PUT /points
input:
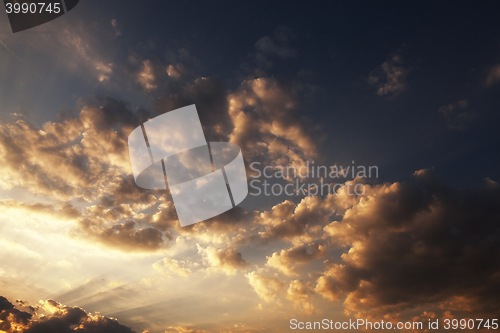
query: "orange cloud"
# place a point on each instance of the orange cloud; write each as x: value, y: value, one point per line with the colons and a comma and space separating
x: 227, y: 260
x: 286, y: 260
x: 266, y: 287
x: 58, y: 319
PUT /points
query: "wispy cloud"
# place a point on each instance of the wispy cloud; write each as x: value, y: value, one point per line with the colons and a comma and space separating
x: 390, y: 77
x: 457, y: 114
x: 493, y: 76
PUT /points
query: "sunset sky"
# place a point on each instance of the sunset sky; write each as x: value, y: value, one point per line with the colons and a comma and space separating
x: 413, y: 89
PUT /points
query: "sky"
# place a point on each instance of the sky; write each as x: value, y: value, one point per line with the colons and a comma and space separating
x: 411, y: 89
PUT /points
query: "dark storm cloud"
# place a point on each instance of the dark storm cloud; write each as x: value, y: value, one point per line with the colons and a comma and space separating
x: 417, y: 243
x: 127, y: 237
x: 390, y: 77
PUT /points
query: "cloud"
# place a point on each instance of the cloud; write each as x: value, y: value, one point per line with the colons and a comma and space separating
x: 390, y: 77
x: 85, y: 160
x: 270, y: 127
x: 77, y: 50
x: 457, y: 303
x: 124, y: 236
x: 298, y: 292
x: 80, y: 164
x: 275, y: 46
x: 146, y: 76
x: 104, y: 70
x: 227, y: 260
x: 26, y: 305
x: 85, y: 51
x: 11, y: 319
x: 261, y: 116
x: 116, y: 27
x: 493, y: 76
x: 62, y: 211
x: 58, y: 319
x: 175, y: 71
x: 456, y: 115
x: 167, y: 265
x: 72, y: 158
x: 403, y: 244
x: 266, y: 287
x: 287, y: 260
x: 291, y: 222
x: 418, y: 243
x: 209, y: 95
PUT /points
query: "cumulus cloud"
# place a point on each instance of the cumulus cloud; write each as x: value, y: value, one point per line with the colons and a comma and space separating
x: 227, y: 260
x: 261, y: 116
x: 390, y: 77
x: 298, y: 292
x: 287, y: 260
x: 85, y: 158
x: 456, y: 114
x: 63, y: 211
x: 416, y: 243
x: 301, y: 221
x: 270, y: 127
x: 11, y: 319
x: 266, y: 287
x: 58, y: 318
